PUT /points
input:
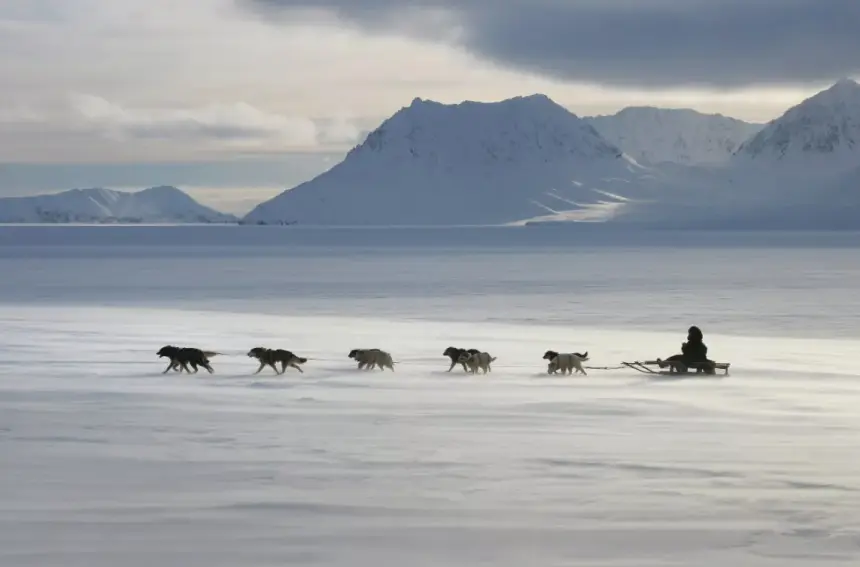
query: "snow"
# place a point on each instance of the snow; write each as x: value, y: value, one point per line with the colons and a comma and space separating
x: 154, y: 205
x: 657, y: 135
x: 109, y: 462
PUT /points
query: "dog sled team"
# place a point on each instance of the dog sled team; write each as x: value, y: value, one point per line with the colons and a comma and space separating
x: 693, y: 356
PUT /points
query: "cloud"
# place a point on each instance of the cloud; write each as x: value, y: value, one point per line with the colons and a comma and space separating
x: 238, y: 123
x: 643, y: 43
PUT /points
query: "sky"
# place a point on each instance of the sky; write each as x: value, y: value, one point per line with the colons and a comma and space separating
x: 235, y: 99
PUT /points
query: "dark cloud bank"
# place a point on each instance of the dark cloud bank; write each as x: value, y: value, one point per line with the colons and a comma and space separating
x: 647, y: 43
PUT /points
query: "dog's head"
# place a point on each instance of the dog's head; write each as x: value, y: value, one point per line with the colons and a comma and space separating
x: 169, y: 351
x: 549, y: 355
x: 465, y: 356
x: 257, y: 352
x: 353, y: 353
x: 473, y: 351
x: 453, y: 352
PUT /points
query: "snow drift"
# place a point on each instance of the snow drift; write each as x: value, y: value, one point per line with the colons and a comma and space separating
x: 153, y: 205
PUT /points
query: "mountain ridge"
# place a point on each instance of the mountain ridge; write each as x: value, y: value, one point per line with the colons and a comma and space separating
x: 156, y: 205
x: 826, y: 125
x: 676, y: 135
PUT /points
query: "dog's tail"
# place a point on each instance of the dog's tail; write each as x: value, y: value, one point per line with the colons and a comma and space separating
x: 492, y: 359
x: 211, y: 353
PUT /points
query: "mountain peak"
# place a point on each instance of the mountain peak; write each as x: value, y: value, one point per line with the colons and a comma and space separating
x: 845, y: 83
x: 841, y: 92
x: 514, y: 130
x: 824, y: 126
x: 467, y: 163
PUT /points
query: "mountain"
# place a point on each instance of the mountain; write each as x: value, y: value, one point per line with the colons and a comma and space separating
x: 823, y: 131
x: 801, y: 171
x: 154, y: 205
x: 656, y: 135
x: 464, y: 164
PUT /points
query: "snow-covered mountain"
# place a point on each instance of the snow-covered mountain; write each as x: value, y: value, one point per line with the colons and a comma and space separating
x: 154, y: 205
x: 468, y: 163
x: 656, y: 135
x: 801, y: 171
x: 823, y: 131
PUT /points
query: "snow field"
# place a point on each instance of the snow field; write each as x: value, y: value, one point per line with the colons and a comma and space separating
x: 107, y: 461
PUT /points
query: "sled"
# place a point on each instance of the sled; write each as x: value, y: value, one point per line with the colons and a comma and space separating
x: 667, y: 367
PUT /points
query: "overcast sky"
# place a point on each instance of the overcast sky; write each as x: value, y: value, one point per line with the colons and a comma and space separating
x: 142, y: 81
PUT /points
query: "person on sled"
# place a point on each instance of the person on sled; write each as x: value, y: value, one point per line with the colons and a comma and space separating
x: 694, y: 353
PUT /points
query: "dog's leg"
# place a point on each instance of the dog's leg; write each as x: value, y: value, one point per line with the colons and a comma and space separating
x: 262, y: 365
x: 453, y: 364
x: 208, y: 367
x: 169, y: 366
x: 297, y: 368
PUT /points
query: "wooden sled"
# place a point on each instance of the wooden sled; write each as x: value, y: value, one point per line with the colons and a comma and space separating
x: 667, y: 367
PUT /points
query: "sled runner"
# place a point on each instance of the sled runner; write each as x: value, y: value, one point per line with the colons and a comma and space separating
x: 674, y: 367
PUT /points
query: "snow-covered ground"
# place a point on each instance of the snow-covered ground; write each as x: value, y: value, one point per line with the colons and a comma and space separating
x: 108, y: 462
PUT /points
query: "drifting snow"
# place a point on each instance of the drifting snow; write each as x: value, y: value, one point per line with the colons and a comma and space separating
x: 153, y: 205
x: 108, y: 462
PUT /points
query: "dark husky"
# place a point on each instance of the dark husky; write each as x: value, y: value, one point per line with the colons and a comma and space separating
x: 271, y: 357
x: 181, y: 357
x: 454, y: 354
